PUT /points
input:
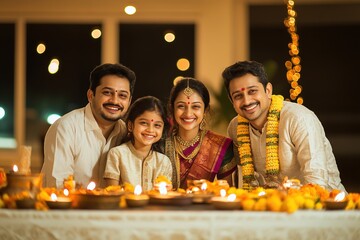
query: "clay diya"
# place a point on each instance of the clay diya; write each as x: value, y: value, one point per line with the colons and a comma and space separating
x: 224, y: 202
x: 137, y: 199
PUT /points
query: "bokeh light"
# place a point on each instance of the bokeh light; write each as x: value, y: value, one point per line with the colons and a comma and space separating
x: 183, y: 64
x: 52, y: 118
x: 96, y: 33
x: 169, y: 37
x: 130, y: 10
x: 177, y: 79
x: 41, y: 48
x: 54, y: 66
x: 2, y: 112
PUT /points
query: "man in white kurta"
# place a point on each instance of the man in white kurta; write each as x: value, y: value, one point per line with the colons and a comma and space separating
x: 76, y: 146
x: 304, y: 151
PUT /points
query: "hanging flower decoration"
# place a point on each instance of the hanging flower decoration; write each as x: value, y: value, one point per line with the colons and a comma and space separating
x: 293, y: 65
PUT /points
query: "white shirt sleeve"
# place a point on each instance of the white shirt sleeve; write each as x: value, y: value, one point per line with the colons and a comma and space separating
x: 58, y: 153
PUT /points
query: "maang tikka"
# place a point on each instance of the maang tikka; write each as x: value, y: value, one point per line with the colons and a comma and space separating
x: 188, y: 91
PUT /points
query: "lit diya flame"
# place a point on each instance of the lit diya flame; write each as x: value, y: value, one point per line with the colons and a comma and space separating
x: 231, y: 197
x: 53, y: 197
x: 15, y: 168
x: 66, y: 192
x: 222, y: 192
x: 204, y: 186
x: 291, y: 183
x: 339, y: 197
x: 287, y: 184
x: 137, y: 190
x: 262, y: 193
x: 91, y: 186
x: 162, y: 188
x: 195, y: 189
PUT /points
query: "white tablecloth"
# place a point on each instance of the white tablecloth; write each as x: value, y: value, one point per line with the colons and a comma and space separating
x: 174, y: 224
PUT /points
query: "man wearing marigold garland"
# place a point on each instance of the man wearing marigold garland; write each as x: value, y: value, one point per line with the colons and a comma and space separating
x: 275, y: 138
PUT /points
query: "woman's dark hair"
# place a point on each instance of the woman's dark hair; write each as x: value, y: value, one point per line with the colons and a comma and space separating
x: 240, y: 69
x: 192, y: 83
x: 111, y: 69
x: 141, y: 105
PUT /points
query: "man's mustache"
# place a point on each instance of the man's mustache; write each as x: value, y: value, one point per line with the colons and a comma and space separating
x: 121, y: 108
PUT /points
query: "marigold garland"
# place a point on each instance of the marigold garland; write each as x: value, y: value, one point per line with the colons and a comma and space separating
x: 272, y: 143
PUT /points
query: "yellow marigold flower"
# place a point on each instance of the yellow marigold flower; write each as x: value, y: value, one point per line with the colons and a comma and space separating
x: 350, y: 205
x: 181, y: 190
x: 128, y: 187
x: 319, y: 206
x: 274, y: 203
x: 258, y: 190
x: 260, y: 205
x: 240, y: 192
x: 43, y: 196
x: 248, y: 204
x: 309, y: 203
x: 162, y: 178
x: 5, y: 197
x: 300, y: 200
x: 231, y: 190
x: 289, y: 205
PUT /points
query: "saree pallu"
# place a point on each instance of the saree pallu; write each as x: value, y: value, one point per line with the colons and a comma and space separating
x: 215, y: 158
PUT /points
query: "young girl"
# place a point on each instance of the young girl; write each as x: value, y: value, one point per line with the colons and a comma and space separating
x: 139, y: 160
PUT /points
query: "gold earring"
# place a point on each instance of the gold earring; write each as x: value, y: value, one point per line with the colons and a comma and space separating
x: 203, y: 124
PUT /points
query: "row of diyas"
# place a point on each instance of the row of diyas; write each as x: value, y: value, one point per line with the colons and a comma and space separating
x: 200, y: 191
x: 163, y: 195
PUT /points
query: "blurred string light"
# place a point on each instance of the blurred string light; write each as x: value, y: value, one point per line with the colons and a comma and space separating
x: 96, y: 33
x: 293, y: 65
x: 130, y: 10
x: 54, y: 66
x: 41, y: 48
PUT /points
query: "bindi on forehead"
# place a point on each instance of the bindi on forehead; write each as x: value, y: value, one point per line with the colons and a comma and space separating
x: 242, y: 89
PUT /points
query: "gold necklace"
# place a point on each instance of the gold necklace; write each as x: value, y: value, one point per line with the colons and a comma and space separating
x: 187, y: 144
x: 179, y: 150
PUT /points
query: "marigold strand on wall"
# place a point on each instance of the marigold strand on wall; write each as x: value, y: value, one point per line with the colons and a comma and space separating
x: 293, y: 65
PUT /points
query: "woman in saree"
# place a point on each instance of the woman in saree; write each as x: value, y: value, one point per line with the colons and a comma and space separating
x: 195, y: 152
